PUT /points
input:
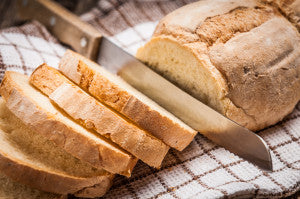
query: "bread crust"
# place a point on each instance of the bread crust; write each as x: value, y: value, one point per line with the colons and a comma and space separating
x: 98, y: 154
x: 23, y: 160
x: 78, y: 69
x: 267, y: 86
x: 51, y: 181
x: 94, y: 115
x: 9, y: 189
x: 289, y: 8
x: 258, y: 58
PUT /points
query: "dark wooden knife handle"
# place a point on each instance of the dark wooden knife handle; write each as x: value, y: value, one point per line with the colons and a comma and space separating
x: 64, y: 25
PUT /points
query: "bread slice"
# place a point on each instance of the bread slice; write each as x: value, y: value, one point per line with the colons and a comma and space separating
x: 29, y: 158
x: 94, y: 115
x: 36, y: 111
x: 119, y: 95
x: 13, y: 190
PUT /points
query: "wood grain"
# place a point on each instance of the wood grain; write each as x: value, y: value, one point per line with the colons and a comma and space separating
x: 63, y: 24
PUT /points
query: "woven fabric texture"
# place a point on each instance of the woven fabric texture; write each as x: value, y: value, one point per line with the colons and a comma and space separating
x: 24, y: 48
x: 203, y: 169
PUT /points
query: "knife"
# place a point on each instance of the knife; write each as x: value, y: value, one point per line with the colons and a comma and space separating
x: 85, y: 39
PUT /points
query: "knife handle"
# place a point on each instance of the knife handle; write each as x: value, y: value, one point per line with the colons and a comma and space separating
x: 64, y: 25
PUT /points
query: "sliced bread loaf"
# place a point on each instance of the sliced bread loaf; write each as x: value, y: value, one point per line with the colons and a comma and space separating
x: 31, y: 159
x: 240, y: 57
x: 36, y: 111
x: 94, y: 115
x: 119, y: 95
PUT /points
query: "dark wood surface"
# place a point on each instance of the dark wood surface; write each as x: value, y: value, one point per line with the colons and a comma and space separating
x: 68, y: 29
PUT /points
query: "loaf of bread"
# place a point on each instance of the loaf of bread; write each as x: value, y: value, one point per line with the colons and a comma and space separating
x: 119, y: 95
x: 27, y: 157
x: 94, y: 115
x: 38, y: 113
x: 241, y: 57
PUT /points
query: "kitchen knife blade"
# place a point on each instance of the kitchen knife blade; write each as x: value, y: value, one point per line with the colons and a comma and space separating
x: 197, y: 115
x: 69, y: 29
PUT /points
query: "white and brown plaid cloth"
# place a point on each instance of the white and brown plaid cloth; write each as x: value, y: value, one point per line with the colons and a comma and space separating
x: 203, y: 169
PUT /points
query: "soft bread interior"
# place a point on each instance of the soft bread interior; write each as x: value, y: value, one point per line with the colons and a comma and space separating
x: 92, y: 114
x: 183, y: 68
x: 125, y: 86
x: 13, y: 190
x: 28, y: 147
x: 43, y: 101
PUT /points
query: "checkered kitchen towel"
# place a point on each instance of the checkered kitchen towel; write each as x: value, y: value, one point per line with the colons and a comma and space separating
x: 202, y: 170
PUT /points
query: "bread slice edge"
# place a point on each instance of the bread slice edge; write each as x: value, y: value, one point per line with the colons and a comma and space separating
x: 108, y: 88
x: 92, y: 114
x: 98, y: 153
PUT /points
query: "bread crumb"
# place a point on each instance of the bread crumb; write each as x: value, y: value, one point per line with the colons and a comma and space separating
x: 171, y: 189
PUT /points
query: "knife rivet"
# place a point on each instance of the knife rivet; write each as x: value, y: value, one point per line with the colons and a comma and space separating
x: 25, y: 2
x: 52, y: 21
x: 83, y: 41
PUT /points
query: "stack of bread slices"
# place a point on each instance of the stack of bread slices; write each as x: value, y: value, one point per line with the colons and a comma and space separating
x: 71, y: 131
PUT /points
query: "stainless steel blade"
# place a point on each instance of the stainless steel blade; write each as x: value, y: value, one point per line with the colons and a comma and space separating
x: 199, y: 116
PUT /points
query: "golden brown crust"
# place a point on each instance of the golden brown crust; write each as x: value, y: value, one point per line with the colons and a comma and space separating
x: 267, y: 85
x: 51, y: 181
x: 289, y: 8
x: 221, y: 28
x: 155, y: 123
x: 103, y: 89
x: 124, y: 102
x: 94, y: 115
x: 96, y: 152
x: 293, y: 13
x: 257, y: 58
x: 183, y: 22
